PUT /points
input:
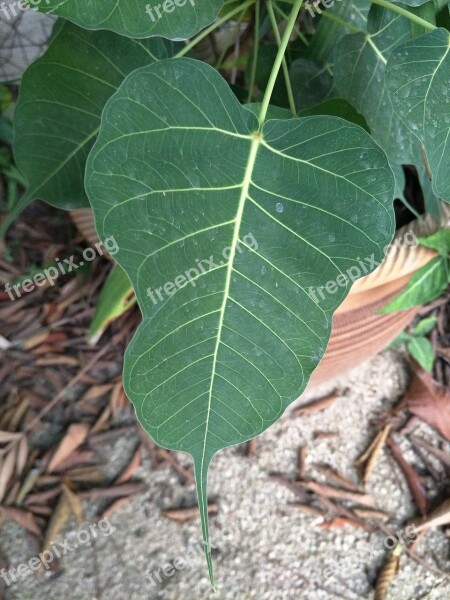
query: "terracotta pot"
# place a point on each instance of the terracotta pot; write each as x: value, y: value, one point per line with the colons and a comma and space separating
x: 358, y: 332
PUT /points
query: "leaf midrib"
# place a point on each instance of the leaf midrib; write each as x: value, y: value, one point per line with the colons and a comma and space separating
x: 246, y: 182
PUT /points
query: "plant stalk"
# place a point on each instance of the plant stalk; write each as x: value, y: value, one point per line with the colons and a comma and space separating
x: 287, y: 79
x: 404, y: 13
x: 278, y: 60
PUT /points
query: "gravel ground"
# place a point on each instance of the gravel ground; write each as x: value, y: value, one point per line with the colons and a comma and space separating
x: 264, y: 547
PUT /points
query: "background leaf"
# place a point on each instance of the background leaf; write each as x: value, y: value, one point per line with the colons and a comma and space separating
x: 424, y: 286
x: 418, y: 80
x: 360, y: 62
x: 425, y: 326
x: 180, y: 20
x: 223, y: 353
x: 439, y: 241
x: 61, y: 99
x: 312, y: 83
x: 422, y: 351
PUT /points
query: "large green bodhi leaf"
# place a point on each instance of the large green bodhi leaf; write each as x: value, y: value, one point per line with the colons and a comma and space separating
x: 62, y: 96
x: 226, y: 230
x: 418, y: 80
x: 172, y: 19
x: 360, y: 62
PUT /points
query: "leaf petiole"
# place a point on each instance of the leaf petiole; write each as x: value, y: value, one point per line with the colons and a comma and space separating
x: 404, y: 13
x: 279, y: 60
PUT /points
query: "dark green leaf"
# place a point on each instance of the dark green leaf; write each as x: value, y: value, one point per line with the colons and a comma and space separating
x: 312, y: 83
x: 360, y: 62
x: 223, y: 348
x: 61, y: 99
x: 336, y: 108
x: 418, y: 80
x: 172, y: 19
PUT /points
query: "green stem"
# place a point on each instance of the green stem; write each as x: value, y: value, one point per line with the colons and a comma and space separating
x: 255, y: 52
x: 284, y: 63
x: 213, y: 27
x: 278, y: 61
x: 404, y: 13
x: 300, y: 35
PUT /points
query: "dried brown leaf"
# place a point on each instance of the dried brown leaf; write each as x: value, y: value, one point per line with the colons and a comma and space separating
x: 8, y: 436
x: 22, y: 455
x: 74, y: 503
x: 59, y: 518
x: 133, y: 465
x: 103, y: 421
x: 439, y: 517
x: 182, y: 515
x: 316, y: 405
x: 115, y: 491
x: 67, y: 361
x: 24, y: 518
x: 415, y: 482
x: 442, y: 456
x: 339, y: 522
x: 371, y: 455
x: 75, y: 436
x: 308, y: 509
x: 429, y: 403
x: 331, y: 492
x: 387, y: 573
x: 336, y: 477
x: 6, y: 471
x: 301, y: 462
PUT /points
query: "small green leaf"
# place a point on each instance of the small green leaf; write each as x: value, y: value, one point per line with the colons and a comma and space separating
x: 418, y: 81
x: 439, y: 241
x: 115, y: 298
x: 226, y: 227
x: 425, y: 326
x: 422, y: 351
x: 425, y: 285
x: 172, y: 19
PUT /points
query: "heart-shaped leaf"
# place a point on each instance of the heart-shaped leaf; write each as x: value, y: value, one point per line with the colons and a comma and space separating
x: 61, y: 100
x: 418, y: 80
x: 227, y: 229
x: 172, y: 19
x: 360, y: 62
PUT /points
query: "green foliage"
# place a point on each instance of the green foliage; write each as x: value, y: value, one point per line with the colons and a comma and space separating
x: 177, y: 169
x: 115, y: 298
x: 61, y: 100
x: 172, y: 19
x: 221, y: 348
x: 429, y: 281
x: 418, y: 345
x: 418, y: 81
